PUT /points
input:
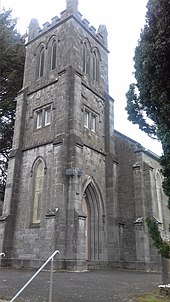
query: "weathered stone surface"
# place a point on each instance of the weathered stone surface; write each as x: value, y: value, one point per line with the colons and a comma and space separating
x: 96, y: 183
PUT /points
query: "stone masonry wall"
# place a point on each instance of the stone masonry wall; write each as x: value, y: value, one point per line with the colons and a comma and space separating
x: 65, y: 144
x: 126, y: 200
x: 137, y: 194
x: 41, y: 241
x: 54, y: 96
x: 69, y: 36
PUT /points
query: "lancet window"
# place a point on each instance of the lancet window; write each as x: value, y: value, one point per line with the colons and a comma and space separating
x: 86, y: 58
x: 53, y: 54
x: 41, y: 62
x: 95, y: 66
x: 38, y: 190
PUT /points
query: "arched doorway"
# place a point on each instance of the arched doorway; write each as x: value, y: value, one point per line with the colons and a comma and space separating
x: 92, y: 206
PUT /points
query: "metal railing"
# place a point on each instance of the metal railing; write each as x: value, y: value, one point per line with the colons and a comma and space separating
x: 51, y: 258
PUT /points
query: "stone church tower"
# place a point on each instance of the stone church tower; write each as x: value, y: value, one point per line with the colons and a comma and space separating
x: 74, y: 184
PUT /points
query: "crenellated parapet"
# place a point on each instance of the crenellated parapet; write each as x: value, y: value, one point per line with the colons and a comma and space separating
x: 71, y: 11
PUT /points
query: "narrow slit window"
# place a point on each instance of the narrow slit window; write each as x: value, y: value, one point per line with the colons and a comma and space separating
x: 84, y: 58
x: 94, y: 66
x: 53, y: 55
x: 41, y: 62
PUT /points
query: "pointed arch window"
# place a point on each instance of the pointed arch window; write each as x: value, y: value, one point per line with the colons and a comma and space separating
x: 86, y: 58
x: 41, y: 63
x: 53, y: 55
x: 38, y: 189
x: 95, y: 67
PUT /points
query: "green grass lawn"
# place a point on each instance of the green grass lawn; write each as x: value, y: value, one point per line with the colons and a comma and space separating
x: 153, y: 297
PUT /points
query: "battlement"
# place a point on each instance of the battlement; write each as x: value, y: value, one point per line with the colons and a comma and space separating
x: 71, y: 10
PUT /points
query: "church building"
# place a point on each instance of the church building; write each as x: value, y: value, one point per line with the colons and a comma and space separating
x: 74, y: 183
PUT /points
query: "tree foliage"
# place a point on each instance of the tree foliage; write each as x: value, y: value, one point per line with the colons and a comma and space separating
x: 12, y: 55
x: 148, y: 100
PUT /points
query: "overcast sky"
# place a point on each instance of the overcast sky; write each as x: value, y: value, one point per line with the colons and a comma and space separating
x: 124, y: 20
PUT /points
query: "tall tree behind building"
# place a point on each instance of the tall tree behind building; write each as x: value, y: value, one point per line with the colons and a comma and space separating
x: 148, y: 100
x: 12, y: 55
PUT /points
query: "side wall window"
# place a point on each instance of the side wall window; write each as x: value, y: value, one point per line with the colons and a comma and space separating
x: 38, y: 189
x: 159, y: 196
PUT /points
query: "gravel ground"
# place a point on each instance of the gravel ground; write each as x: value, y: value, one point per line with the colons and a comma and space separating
x: 95, y: 286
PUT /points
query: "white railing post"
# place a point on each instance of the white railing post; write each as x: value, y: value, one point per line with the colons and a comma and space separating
x: 51, y: 281
x: 33, y: 277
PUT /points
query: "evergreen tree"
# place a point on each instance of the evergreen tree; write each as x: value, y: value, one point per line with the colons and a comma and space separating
x: 12, y: 55
x: 148, y: 100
